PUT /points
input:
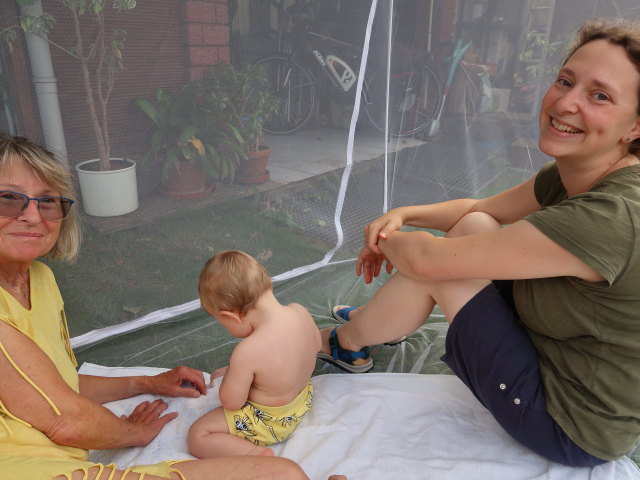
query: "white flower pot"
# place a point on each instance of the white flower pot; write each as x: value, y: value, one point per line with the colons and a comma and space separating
x: 108, y: 193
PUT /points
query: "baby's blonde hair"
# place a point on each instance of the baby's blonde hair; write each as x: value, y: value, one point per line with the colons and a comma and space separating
x: 232, y: 280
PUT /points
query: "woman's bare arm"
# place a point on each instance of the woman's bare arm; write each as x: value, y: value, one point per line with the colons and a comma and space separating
x: 170, y: 383
x: 79, y: 421
x: 505, y: 207
x: 517, y: 251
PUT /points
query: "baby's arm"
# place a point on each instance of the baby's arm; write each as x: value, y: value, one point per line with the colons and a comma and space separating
x: 238, y: 377
x: 217, y: 373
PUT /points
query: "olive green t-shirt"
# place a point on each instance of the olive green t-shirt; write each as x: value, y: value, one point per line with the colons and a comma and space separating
x: 588, y: 334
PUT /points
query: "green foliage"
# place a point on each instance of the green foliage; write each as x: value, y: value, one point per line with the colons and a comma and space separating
x: 95, y: 6
x: 28, y: 24
x: 543, y: 57
x: 247, y: 100
x: 187, y: 127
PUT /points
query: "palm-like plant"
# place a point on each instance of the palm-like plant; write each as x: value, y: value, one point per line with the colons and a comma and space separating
x: 187, y: 127
x: 245, y: 95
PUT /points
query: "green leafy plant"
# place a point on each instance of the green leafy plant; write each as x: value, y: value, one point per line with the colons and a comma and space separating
x: 541, y: 60
x: 543, y: 56
x: 99, y: 55
x: 189, y: 127
x: 247, y: 99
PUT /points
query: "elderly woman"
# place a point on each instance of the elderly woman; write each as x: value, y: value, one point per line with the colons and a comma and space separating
x: 49, y: 415
x: 551, y: 346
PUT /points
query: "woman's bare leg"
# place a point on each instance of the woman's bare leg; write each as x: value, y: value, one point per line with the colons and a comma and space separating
x: 242, y: 468
x: 218, y: 444
x: 403, y: 304
x: 223, y: 468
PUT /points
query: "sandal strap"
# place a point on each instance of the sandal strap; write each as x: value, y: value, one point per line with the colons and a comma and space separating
x: 344, y: 313
x: 339, y: 353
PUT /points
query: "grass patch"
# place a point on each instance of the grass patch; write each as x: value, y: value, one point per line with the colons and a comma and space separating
x: 124, y: 275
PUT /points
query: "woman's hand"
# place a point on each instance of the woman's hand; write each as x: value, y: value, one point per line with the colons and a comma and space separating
x: 370, y: 263
x: 148, y: 416
x: 371, y: 258
x: 178, y: 382
x: 381, y: 227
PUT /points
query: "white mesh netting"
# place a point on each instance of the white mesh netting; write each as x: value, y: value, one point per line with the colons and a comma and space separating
x: 446, y: 108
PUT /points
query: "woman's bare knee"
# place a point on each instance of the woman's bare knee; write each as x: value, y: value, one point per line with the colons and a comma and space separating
x: 474, y: 222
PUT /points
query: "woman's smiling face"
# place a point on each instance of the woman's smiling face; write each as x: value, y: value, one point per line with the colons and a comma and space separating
x: 27, y: 236
x: 592, y: 106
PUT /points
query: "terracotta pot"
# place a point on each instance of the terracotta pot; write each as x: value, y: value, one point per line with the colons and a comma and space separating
x: 188, y: 181
x: 254, y: 168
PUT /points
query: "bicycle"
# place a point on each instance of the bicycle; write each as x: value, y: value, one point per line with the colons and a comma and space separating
x: 415, y: 94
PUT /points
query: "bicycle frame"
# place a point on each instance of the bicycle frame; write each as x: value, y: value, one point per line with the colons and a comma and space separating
x: 334, y: 65
x: 337, y: 69
x: 413, y: 91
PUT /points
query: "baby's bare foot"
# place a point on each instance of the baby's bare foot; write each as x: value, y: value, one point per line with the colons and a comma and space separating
x: 267, y: 452
x: 260, y: 451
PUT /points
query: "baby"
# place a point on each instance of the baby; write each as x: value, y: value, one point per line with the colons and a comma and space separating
x: 266, y: 389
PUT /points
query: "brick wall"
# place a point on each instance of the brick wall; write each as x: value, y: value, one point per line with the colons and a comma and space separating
x: 445, y: 16
x: 207, y: 35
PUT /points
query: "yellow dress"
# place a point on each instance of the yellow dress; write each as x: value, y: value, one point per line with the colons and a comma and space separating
x: 25, y: 452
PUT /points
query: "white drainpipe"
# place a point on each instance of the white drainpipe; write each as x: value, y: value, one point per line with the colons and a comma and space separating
x: 46, y: 87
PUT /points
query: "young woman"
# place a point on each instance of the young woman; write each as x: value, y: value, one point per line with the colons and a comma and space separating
x: 539, y: 283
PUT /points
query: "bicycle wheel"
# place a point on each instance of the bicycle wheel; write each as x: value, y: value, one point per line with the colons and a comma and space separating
x: 415, y: 97
x: 294, y: 88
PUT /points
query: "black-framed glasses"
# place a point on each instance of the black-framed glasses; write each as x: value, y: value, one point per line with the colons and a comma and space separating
x: 12, y: 204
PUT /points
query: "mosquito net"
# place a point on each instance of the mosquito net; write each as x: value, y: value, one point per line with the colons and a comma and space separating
x: 379, y: 104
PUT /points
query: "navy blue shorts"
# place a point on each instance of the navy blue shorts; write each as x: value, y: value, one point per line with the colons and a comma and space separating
x: 489, y: 350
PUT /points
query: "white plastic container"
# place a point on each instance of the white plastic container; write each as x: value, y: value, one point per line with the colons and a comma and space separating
x: 108, y: 193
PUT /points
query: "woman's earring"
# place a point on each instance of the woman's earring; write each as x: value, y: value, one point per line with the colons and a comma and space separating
x: 628, y: 139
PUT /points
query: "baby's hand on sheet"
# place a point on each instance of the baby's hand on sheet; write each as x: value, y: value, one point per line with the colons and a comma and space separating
x: 179, y: 382
x: 219, y: 372
x: 148, y: 416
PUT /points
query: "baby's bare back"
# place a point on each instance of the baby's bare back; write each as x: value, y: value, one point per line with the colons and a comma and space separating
x: 288, y: 340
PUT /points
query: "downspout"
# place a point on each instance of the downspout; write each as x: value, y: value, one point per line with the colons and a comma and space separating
x: 45, y: 86
x: 430, y: 28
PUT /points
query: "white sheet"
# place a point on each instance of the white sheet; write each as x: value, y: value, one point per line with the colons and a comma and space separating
x: 376, y: 426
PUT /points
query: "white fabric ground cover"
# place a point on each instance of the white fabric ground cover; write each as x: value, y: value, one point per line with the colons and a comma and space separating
x: 375, y: 426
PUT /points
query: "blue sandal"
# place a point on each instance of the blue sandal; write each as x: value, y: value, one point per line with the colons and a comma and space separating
x: 343, y: 358
x: 341, y: 314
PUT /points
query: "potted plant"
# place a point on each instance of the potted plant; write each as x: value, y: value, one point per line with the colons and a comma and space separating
x: 248, y: 102
x: 100, y: 58
x: 191, y: 140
